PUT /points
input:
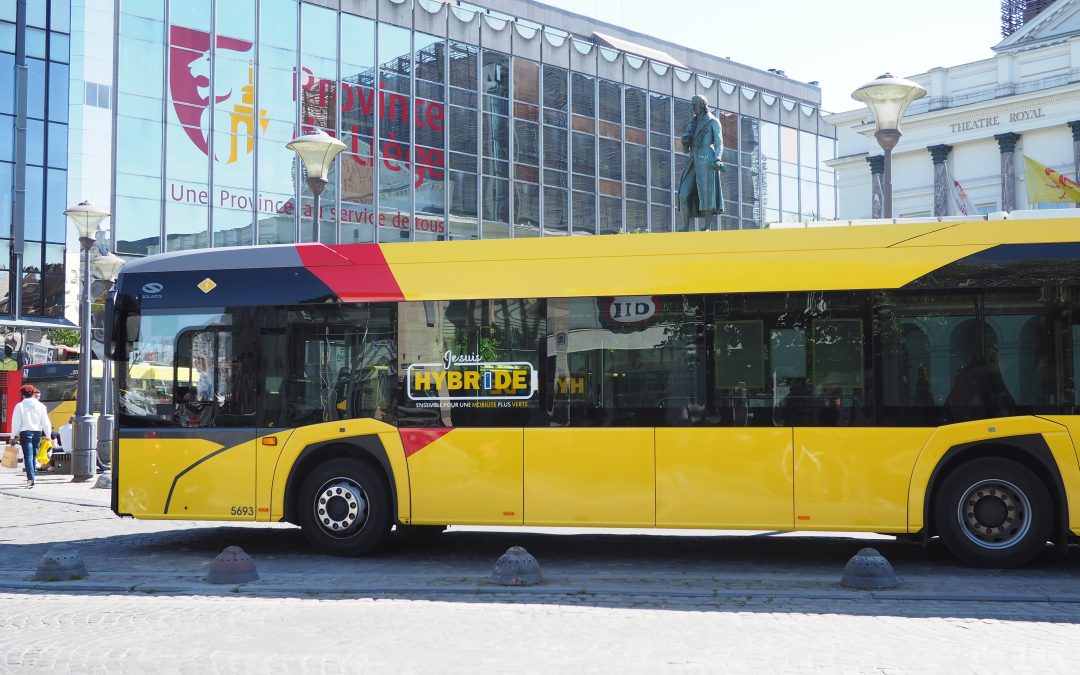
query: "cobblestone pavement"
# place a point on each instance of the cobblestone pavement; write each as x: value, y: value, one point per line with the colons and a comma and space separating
x: 55, y: 633
x: 634, y: 602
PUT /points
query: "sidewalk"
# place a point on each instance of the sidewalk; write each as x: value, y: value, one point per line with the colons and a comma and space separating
x: 126, y: 555
x: 53, y: 487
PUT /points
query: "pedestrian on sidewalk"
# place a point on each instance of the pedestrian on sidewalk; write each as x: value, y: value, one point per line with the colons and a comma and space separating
x: 29, y: 421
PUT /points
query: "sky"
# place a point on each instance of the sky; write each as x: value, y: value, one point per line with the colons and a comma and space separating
x: 840, y: 43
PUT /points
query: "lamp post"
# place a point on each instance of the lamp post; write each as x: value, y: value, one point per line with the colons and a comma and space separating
x: 86, y: 217
x: 108, y: 267
x: 888, y: 97
x: 317, y: 150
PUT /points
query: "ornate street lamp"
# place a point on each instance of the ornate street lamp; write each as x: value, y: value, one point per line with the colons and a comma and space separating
x: 317, y: 150
x: 108, y: 267
x: 87, y: 218
x: 888, y: 97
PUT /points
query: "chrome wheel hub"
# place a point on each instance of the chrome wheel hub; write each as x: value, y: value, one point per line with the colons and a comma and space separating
x: 994, y: 514
x: 341, y: 507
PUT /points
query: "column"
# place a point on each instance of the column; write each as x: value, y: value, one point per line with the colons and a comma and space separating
x: 1007, y: 144
x: 18, y: 210
x: 1075, y: 126
x: 877, y: 185
x: 940, y: 153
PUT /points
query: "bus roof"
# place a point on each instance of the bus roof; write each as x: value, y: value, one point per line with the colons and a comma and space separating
x: 888, y: 256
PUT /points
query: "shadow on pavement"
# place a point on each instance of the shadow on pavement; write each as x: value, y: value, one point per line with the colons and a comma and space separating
x: 688, y: 573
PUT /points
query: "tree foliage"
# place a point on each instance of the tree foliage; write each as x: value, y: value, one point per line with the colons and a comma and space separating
x: 69, y: 337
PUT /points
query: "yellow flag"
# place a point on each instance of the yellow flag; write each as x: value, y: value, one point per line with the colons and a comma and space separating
x: 1044, y: 185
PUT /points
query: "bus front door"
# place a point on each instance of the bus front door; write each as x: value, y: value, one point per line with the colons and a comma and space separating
x: 194, y: 457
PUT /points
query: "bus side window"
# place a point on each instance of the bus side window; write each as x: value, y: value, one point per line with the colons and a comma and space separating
x: 272, y: 373
x: 214, y: 389
x: 1073, y: 391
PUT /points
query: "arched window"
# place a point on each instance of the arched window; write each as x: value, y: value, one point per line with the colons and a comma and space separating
x: 1038, y: 385
x: 978, y: 390
x: 968, y: 343
x: 917, y: 375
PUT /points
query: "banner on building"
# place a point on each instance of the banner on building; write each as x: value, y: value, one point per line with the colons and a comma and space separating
x: 1047, y: 186
x: 958, y: 196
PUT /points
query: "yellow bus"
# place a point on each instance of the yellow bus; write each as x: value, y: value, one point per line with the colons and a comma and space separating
x: 911, y: 379
x: 57, y: 381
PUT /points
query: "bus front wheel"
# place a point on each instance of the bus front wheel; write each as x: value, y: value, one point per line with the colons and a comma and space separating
x: 994, y: 512
x: 345, y: 508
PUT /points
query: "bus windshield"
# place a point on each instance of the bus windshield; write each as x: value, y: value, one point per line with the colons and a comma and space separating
x: 56, y: 390
x: 58, y: 383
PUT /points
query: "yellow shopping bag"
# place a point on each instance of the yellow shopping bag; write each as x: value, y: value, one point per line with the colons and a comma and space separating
x: 43, y: 452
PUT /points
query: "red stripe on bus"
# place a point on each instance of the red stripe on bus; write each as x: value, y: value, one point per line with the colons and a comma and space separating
x: 415, y: 440
x: 354, y: 272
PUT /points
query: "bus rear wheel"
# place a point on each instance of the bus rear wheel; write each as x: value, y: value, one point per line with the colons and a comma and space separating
x: 345, y: 508
x: 994, y: 512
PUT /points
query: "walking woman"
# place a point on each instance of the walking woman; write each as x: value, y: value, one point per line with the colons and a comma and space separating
x: 29, y: 422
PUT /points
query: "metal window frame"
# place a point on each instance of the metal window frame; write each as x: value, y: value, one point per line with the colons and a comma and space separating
x: 255, y: 131
x: 299, y: 124
x: 165, y: 61
x: 210, y: 140
x: 18, y: 220
x: 376, y: 130
x: 411, y: 164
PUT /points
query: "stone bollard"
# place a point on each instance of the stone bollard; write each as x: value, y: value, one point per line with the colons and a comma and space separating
x: 104, y: 481
x: 232, y: 566
x: 868, y: 569
x: 60, y: 563
x: 516, y: 567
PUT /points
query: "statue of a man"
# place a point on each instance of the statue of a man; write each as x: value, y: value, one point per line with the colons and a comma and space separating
x: 700, y: 194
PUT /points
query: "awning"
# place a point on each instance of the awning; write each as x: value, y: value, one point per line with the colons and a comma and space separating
x: 639, y: 50
x: 30, y: 323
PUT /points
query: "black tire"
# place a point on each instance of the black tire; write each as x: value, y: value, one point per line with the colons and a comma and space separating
x: 994, y: 512
x: 345, y: 508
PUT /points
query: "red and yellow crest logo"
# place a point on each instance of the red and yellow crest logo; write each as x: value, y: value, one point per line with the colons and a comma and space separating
x: 190, y: 89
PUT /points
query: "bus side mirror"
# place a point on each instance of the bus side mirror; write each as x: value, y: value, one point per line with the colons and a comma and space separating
x: 108, y: 324
x: 115, y: 337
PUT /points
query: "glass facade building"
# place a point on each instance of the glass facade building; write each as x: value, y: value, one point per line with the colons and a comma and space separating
x: 460, y: 122
x: 34, y: 81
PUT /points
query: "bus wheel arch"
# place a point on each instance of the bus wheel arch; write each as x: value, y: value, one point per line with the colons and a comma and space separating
x: 365, y: 449
x: 1023, y: 466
